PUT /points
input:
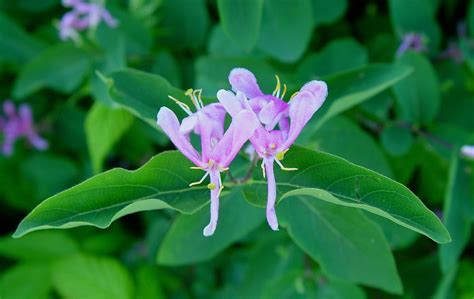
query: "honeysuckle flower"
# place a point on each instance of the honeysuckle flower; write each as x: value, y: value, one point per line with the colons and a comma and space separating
x: 468, y: 151
x: 83, y: 15
x: 412, y: 41
x: 218, y: 149
x: 19, y: 124
x: 453, y: 52
x: 270, y: 143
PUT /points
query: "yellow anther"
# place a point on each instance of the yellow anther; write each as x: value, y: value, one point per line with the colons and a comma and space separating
x: 189, y: 92
x: 281, y: 155
x: 277, y: 87
x: 272, y: 145
x: 211, y: 186
x: 284, y: 92
x: 223, y: 168
x: 211, y: 162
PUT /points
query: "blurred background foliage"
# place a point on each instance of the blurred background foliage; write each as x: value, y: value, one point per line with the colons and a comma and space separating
x: 409, y: 132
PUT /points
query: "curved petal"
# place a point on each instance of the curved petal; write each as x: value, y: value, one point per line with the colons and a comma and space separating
x: 233, y: 103
x: 302, y: 108
x: 240, y: 130
x: 188, y: 124
x: 244, y: 81
x: 211, y: 227
x: 272, y: 112
x: 271, y: 196
x: 169, y: 123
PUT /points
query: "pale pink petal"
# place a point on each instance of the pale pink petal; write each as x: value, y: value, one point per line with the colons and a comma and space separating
x: 36, y: 141
x: 240, y: 130
x: 233, y: 103
x: 9, y: 109
x: 108, y: 19
x: 188, y: 124
x: 302, y: 108
x: 211, y: 227
x: 244, y: 81
x: 169, y: 123
x: 468, y: 151
x: 271, y: 113
x: 271, y: 196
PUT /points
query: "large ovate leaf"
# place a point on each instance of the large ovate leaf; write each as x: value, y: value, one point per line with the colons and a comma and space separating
x: 61, y: 67
x: 328, y: 11
x: 459, y: 193
x: 345, y: 243
x: 141, y: 93
x: 39, y: 246
x: 418, y: 95
x: 104, y: 127
x: 350, y: 88
x: 161, y: 183
x: 329, y: 178
x: 185, y: 244
x: 286, y: 29
x: 241, y: 20
x: 17, y: 46
x: 81, y: 276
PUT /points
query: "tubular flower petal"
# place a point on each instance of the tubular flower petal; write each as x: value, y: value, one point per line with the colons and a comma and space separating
x: 412, y: 41
x: 218, y: 148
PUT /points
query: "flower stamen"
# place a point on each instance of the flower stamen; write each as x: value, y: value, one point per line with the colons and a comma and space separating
x: 263, y: 168
x: 182, y: 105
x: 276, y: 92
x: 200, y: 181
x: 285, y: 168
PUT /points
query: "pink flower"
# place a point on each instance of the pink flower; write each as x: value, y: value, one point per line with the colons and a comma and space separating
x: 218, y: 148
x: 83, y: 15
x: 17, y: 125
x: 270, y: 143
x: 468, y: 151
x: 412, y: 41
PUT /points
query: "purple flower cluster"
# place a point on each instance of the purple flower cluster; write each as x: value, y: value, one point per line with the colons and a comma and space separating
x: 412, y: 41
x: 18, y: 124
x: 266, y: 120
x: 82, y: 16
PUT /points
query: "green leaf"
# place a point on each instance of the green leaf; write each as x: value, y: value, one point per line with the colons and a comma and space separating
x: 62, y: 67
x: 328, y: 11
x: 232, y: 13
x: 39, y: 246
x: 459, y: 192
x: 187, y: 229
x: 332, y: 59
x: 415, y: 16
x: 185, y: 23
x: 147, y: 283
x: 160, y: 183
x: 91, y: 277
x: 26, y: 281
x: 418, y: 95
x: 104, y: 128
x: 342, y: 137
x: 49, y: 174
x: 396, y: 141
x: 329, y: 178
x: 346, y: 244
x: 286, y: 29
x: 335, y: 289
x: 17, y: 46
x: 142, y: 93
x: 353, y: 87
x: 267, y: 263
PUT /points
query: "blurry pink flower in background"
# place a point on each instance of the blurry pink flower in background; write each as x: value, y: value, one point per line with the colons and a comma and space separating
x: 82, y: 16
x: 17, y: 124
x: 468, y: 151
x: 413, y: 42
